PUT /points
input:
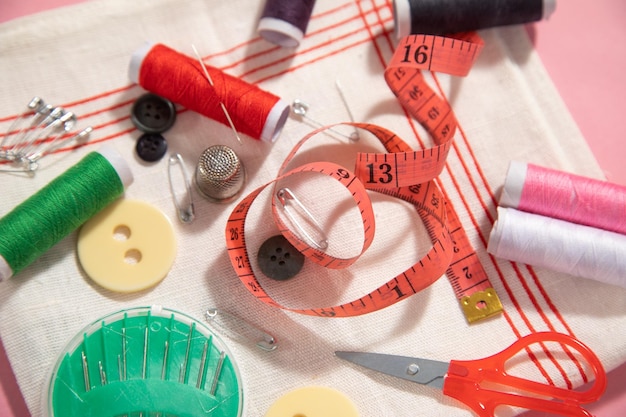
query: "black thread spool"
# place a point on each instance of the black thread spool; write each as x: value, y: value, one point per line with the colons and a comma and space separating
x: 438, y: 17
x: 284, y: 22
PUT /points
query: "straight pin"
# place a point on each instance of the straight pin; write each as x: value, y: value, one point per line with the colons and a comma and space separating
x: 300, y: 108
x: 208, y: 77
x: 202, y: 363
x: 165, y: 353
x: 354, y: 136
x: 124, y: 351
x: 218, y: 371
x: 103, y: 376
x: 184, y: 364
x: 145, y: 354
x: 85, y: 372
x: 181, y: 373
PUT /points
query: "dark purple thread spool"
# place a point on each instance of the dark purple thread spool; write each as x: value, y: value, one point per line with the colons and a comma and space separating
x: 284, y: 22
x: 439, y: 17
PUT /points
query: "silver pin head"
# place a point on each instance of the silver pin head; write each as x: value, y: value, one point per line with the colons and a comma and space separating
x: 299, y: 107
x: 219, y: 176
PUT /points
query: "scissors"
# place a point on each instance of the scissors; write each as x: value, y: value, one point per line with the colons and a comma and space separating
x: 464, y: 380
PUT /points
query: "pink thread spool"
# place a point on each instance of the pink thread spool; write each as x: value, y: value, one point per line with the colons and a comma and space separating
x: 565, y: 196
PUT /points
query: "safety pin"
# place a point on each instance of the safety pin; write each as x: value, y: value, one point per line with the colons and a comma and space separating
x: 208, y: 77
x: 28, y: 163
x: 65, y: 120
x: 354, y: 136
x: 50, y: 122
x: 28, y: 140
x: 58, y: 143
x: 185, y: 214
x: 236, y: 327
x: 284, y: 195
x: 35, y: 105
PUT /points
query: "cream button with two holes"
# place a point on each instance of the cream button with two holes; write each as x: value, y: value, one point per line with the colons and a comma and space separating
x: 128, y: 246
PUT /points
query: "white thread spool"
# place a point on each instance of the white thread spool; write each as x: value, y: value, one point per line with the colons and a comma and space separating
x: 558, y: 245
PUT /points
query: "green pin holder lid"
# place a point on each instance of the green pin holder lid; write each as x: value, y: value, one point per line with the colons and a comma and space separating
x: 148, y: 362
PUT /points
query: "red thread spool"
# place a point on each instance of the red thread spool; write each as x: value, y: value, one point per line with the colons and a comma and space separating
x: 179, y: 78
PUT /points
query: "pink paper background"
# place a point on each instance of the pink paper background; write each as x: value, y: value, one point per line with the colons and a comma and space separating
x: 582, y: 48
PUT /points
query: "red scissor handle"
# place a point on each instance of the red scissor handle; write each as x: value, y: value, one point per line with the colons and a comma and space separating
x: 464, y: 378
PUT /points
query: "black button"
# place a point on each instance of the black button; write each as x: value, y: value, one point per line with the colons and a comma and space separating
x: 151, y: 147
x: 279, y: 259
x: 153, y: 114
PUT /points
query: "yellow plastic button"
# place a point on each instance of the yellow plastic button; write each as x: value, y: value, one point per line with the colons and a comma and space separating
x: 129, y: 246
x: 313, y: 402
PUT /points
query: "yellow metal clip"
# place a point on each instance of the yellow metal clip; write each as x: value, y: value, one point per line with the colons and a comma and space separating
x: 480, y: 305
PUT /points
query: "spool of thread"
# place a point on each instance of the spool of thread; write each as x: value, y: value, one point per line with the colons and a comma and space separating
x: 179, y: 78
x: 560, y: 246
x: 565, y: 196
x: 60, y: 207
x: 284, y: 22
x: 439, y: 17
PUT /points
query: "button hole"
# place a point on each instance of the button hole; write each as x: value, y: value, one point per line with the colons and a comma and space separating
x: 132, y: 257
x: 121, y: 233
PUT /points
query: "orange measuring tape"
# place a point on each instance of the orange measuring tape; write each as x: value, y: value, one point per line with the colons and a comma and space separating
x: 403, y: 173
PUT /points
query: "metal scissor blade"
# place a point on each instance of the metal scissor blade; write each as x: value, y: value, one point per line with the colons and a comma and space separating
x: 423, y: 371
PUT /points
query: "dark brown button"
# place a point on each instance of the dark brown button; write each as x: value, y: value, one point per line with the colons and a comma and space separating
x: 279, y: 259
x: 153, y: 114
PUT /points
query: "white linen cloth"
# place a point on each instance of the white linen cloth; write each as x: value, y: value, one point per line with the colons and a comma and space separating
x: 507, y: 109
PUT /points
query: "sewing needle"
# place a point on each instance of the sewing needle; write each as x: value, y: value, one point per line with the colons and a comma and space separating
x: 208, y: 77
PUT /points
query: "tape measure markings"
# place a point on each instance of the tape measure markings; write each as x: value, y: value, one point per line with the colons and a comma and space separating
x: 453, y: 55
x: 415, y: 278
x: 459, y: 270
x: 466, y: 275
x: 403, y: 171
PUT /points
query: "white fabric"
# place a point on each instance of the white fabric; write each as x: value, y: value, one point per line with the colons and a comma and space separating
x: 507, y: 107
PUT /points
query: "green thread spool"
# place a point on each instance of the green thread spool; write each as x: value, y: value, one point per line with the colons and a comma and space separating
x: 60, y: 207
x: 145, y: 361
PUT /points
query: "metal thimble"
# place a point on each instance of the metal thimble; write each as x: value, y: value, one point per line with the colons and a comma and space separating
x: 219, y: 175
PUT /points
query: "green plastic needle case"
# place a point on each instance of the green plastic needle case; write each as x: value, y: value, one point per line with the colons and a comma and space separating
x: 148, y: 362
